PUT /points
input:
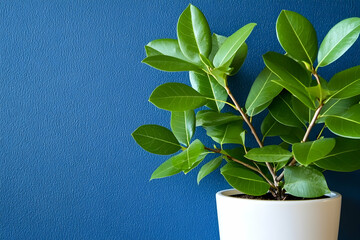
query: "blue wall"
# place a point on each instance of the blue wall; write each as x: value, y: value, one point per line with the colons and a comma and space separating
x: 72, y: 91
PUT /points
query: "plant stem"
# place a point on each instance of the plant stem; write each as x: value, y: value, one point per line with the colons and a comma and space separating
x: 321, y: 132
x: 311, y: 125
x: 244, y: 164
x: 253, y: 131
x: 231, y: 105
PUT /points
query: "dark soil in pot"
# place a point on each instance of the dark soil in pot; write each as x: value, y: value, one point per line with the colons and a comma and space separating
x: 268, y: 196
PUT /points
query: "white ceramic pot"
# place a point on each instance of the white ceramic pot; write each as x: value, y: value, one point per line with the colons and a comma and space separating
x: 248, y: 219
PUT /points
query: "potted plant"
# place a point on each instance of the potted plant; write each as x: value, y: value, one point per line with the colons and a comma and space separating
x: 279, y: 190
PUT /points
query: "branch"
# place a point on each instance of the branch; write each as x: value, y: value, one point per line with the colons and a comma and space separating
x: 311, y: 125
x: 244, y: 164
x: 253, y: 131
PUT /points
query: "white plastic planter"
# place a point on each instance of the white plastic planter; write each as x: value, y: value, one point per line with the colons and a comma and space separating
x: 248, y: 219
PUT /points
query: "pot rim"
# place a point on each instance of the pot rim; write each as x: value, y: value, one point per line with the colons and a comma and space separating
x: 228, y: 192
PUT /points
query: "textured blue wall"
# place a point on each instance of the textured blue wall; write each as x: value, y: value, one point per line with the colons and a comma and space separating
x: 72, y: 91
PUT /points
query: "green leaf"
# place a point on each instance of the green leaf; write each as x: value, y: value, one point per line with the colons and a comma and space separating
x: 302, y: 111
x: 183, y: 125
x: 197, y: 162
x: 176, y: 97
x: 168, y: 47
x: 227, y: 133
x: 209, y: 168
x: 258, y: 109
x: 217, y: 42
x: 237, y: 153
x: 212, y: 118
x: 338, y: 40
x: 262, y: 91
x: 232, y: 44
x: 345, y: 84
x: 165, y: 170
x: 156, y: 139
x: 299, y: 92
x: 297, y: 36
x: 244, y: 180
x: 305, y: 182
x: 309, y: 152
x: 220, y: 75
x: 206, y: 61
x: 189, y: 157
x: 282, y: 110
x: 347, y: 124
x: 270, y: 153
x: 293, y: 76
x: 209, y: 87
x: 318, y: 92
x: 287, y: 69
x: 239, y: 59
x: 194, y: 34
x: 337, y: 107
x: 343, y: 158
x: 280, y: 165
x: 294, y: 135
x: 270, y: 127
x: 170, y: 64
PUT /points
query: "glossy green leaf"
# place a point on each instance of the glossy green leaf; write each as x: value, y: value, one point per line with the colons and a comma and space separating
x: 168, y: 47
x: 212, y: 118
x: 280, y: 165
x: 337, y: 107
x: 345, y: 84
x: 258, y: 109
x: 287, y: 69
x: 156, y: 139
x: 270, y: 153
x: 300, y: 110
x: 297, y: 36
x: 217, y: 42
x: 197, y: 162
x: 347, y: 124
x: 220, y: 75
x: 282, y: 110
x: 338, y: 40
x: 165, y: 170
x: 183, y: 125
x: 186, y: 159
x: 262, y: 91
x: 177, y: 97
x: 227, y: 133
x: 244, y: 180
x: 319, y: 92
x: 309, y: 152
x: 170, y: 64
x: 232, y: 44
x: 293, y: 76
x: 299, y: 92
x: 206, y: 61
x: 209, y: 168
x: 270, y: 127
x: 343, y: 158
x: 209, y: 87
x: 294, y: 135
x: 305, y: 182
x: 194, y: 34
x: 238, y: 59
